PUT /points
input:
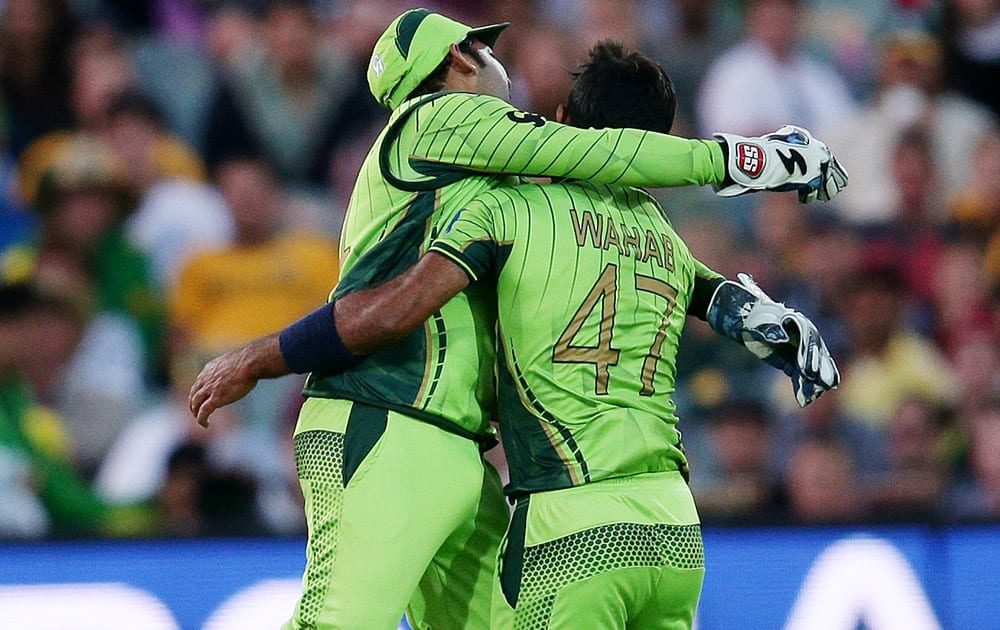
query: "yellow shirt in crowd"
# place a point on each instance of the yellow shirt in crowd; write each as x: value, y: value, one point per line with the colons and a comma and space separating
x: 225, y: 298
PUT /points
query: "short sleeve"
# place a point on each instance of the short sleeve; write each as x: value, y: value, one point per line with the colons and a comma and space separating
x: 469, y: 240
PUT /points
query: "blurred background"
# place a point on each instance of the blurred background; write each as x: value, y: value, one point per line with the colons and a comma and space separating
x: 173, y: 178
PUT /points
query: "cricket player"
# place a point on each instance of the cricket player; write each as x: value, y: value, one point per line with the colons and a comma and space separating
x: 399, y: 503
x: 592, y: 287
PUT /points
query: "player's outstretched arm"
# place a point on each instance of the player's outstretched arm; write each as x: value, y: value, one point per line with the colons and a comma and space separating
x: 478, y: 133
x: 780, y: 336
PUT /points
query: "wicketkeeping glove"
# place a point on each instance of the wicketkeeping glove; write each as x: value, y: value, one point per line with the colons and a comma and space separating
x: 788, y: 159
x: 780, y: 336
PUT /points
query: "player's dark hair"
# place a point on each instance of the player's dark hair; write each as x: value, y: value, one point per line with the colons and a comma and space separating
x: 435, y: 80
x: 621, y: 89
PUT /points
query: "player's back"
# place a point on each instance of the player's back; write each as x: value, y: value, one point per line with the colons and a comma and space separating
x: 592, y: 295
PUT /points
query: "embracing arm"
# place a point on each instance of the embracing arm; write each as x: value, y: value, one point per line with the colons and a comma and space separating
x: 480, y: 133
x: 477, y: 133
x: 373, y: 318
x: 333, y: 337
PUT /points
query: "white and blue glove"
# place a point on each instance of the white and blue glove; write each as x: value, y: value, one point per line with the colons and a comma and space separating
x: 788, y: 159
x: 780, y: 336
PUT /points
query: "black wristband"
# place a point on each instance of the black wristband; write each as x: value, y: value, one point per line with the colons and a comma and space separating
x: 701, y: 297
x: 313, y: 344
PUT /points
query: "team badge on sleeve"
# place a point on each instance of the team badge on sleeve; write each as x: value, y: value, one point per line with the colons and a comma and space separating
x: 750, y: 159
x: 378, y: 66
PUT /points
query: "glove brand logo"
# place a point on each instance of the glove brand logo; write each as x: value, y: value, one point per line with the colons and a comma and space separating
x: 793, y: 159
x: 750, y: 159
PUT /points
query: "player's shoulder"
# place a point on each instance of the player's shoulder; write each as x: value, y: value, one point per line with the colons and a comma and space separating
x: 453, y: 100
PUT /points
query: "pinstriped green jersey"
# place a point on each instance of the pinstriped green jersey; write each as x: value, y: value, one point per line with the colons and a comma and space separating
x: 593, y: 285
x: 433, y: 157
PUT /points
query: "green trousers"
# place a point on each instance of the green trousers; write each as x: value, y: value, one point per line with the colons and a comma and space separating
x: 401, y: 516
x: 615, y: 554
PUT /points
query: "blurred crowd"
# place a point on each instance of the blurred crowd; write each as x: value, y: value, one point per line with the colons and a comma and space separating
x: 174, y: 173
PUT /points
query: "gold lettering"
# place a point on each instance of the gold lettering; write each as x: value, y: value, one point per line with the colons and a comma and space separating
x: 631, y: 239
x: 668, y: 250
x: 611, y: 237
x: 652, y: 249
x: 587, y: 226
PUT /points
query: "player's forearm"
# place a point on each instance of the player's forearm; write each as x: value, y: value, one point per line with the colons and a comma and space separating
x: 262, y: 359
x: 704, y: 291
x: 368, y: 321
x: 374, y: 318
x: 630, y: 157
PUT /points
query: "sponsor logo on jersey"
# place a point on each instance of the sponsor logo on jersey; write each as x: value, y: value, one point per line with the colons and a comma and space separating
x: 750, y: 159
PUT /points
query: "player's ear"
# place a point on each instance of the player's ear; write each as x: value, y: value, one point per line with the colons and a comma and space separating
x: 461, y: 63
x: 562, y: 115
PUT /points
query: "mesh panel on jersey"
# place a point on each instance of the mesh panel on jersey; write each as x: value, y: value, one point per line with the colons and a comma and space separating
x: 551, y: 566
x: 319, y: 459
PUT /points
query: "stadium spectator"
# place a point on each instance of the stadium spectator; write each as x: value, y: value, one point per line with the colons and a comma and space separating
x: 695, y: 34
x: 175, y: 219
x: 780, y: 232
x: 136, y: 132
x: 972, y: 49
x: 737, y: 484
x: 975, y: 356
x: 961, y: 295
x: 822, y: 484
x: 767, y: 80
x: 536, y: 86
x: 137, y: 468
x: 266, y: 279
x: 909, y: 93
x: 825, y: 420
x: 82, y: 202
x: 590, y: 21
x: 975, y: 208
x: 886, y: 360
x: 35, y: 40
x: 225, y: 297
x: 914, y: 485
x: 914, y: 240
x: 978, y: 498
x: 108, y: 109
x: 288, y: 99
x: 176, y: 212
x: 196, y: 500
x: 43, y: 493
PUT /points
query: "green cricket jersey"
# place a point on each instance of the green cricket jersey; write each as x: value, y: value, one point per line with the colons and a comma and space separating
x: 593, y: 285
x: 434, y: 156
